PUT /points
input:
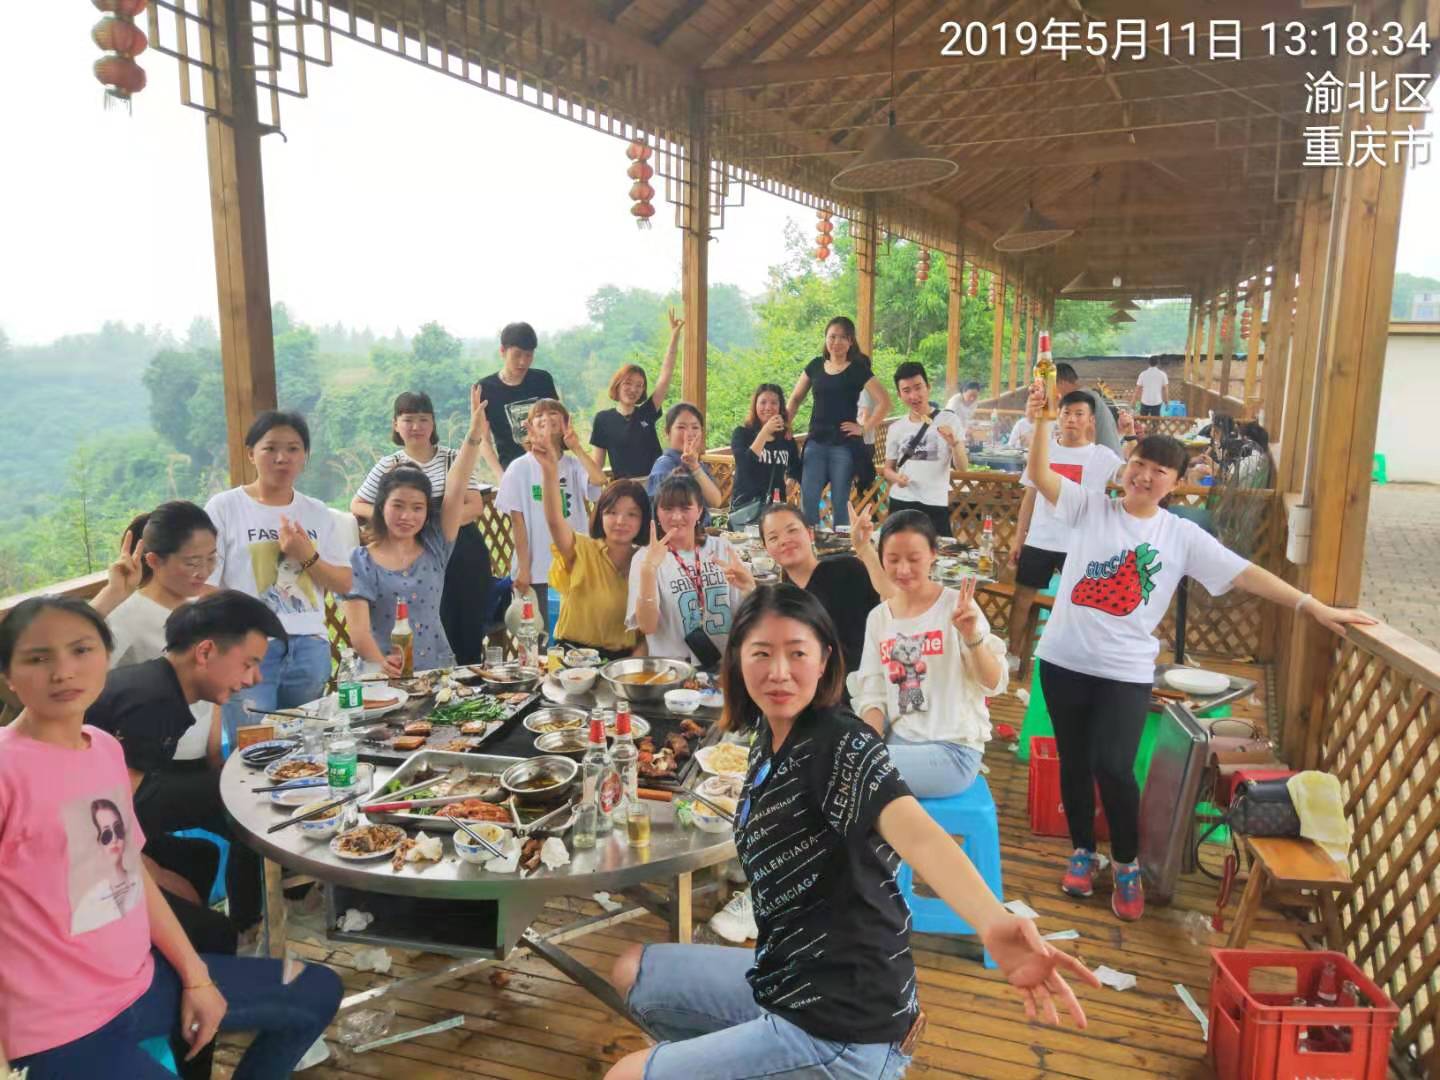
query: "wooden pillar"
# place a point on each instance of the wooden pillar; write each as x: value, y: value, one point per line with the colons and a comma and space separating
x: 1252, y: 343
x: 695, y: 255
x: 997, y: 343
x: 1295, y: 426
x: 1015, y: 336
x: 1227, y: 338
x: 954, y: 320
x: 866, y: 233
x: 1192, y: 320
x: 237, y: 214
x: 1029, y: 355
x: 1278, y: 322
x: 1213, y: 344
x: 1352, y: 362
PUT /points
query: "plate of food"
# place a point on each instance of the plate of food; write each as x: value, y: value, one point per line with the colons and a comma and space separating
x: 1197, y: 681
x: 544, y: 721
x: 379, y: 700
x: 295, y: 767
x: 367, y: 842
x: 724, y: 759
x: 259, y: 755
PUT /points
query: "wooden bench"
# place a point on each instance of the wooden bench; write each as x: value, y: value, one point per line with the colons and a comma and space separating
x: 1005, y: 590
x: 1292, y: 873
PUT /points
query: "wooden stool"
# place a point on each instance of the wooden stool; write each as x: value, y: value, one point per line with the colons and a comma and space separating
x: 1283, y: 868
x: 1006, y: 590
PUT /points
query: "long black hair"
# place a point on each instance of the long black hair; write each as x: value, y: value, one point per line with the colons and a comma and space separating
x: 789, y: 602
x: 848, y: 325
x: 27, y: 611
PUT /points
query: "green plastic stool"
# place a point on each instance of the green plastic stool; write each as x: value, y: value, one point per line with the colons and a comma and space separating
x: 1377, y: 470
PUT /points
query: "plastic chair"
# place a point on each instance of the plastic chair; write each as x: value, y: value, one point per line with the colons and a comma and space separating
x: 217, y: 891
x: 970, y: 817
x: 159, y: 1049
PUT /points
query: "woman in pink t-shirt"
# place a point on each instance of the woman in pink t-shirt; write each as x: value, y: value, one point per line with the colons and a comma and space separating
x: 95, y: 961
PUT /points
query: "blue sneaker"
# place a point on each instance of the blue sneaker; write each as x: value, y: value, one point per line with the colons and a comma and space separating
x: 1128, y: 900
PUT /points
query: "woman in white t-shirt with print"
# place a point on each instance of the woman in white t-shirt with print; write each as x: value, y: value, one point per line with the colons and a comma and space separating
x: 283, y: 548
x: 180, y: 553
x: 930, y: 662
x: 522, y: 493
x: 1097, y: 658
x: 685, y: 586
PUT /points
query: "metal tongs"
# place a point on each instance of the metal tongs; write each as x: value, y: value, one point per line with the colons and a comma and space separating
x: 538, y: 823
x: 720, y: 810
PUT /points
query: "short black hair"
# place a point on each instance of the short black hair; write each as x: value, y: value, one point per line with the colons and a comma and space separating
x: 273, y: 418
x: 1154, y: 361
x: 224, y: 617
x: 413, y: 401
x: 1163, y: 450
x: 1066, y: 373
x: 908, y: 370
x: 519, y: 335
x: 27, y: 611
x: 915, y: 521
x: 679, y: 408
x: 1078, y: 397
x: 971, y: 385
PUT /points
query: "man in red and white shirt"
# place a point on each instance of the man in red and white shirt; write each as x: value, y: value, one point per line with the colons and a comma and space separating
x: 1041, y: 539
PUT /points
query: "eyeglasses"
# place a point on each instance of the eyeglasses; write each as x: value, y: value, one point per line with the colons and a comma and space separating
x: 201, y: 562
x: 108, y: 833
x: 761, y: 774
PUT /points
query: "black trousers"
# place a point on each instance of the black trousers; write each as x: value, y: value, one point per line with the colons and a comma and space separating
x: 466, y: 596
x: 939, y: 515
x: 186, y: 795
x: 1098, y: 723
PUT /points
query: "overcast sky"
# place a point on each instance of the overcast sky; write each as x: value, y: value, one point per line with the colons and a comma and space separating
x: 400, y: 196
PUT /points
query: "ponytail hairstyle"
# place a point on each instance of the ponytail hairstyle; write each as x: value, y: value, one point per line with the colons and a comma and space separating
x: 166, y: 529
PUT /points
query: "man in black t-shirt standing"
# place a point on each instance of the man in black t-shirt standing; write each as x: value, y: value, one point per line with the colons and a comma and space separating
x: 511, y: 391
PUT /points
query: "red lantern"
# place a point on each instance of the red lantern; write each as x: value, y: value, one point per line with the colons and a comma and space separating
x: 118, y: 36
x: 825, y: 225
x: 126, y: 9
x: 823, y: 228
x: 922, y: 268
x: 822, y: 253
x: 641, y: 192
x: 121, y: 75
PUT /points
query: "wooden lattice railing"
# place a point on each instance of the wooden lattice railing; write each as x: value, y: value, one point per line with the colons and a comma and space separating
x: 1381, y: 715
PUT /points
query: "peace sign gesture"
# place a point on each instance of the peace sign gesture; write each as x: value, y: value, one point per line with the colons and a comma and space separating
x: 862, y: 528
x: 967, y: 613
x: 675, y: 324
x: 658, y: 547
x: 129, y: 566
x: 737, y: 573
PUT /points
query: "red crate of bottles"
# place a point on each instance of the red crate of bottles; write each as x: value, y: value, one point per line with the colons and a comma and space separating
x: 1280, y: 1026
x: 1047, y: 811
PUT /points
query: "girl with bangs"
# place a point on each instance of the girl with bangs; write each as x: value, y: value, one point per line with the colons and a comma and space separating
x: 408, y: 557
x: 627, y: 432
x: 765, y: 455
x: 522, y: 495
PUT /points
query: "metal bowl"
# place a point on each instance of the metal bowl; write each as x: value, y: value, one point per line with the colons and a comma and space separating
x: 571, y: 743
x: 510, y: 680
x: 645, y: 693
x: 575, y: 717
x: 541, y: 779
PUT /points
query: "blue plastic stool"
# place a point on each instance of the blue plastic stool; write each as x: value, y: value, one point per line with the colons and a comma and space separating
x: 159, y: 1049
x: 971, y: 816
x: 217, y: 891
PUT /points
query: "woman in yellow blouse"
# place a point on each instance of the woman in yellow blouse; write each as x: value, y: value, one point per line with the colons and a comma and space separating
x: 593, y: 572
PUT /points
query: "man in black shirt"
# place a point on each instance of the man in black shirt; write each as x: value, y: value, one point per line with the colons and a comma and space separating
x: 213, y: 648
x: 511, y: 391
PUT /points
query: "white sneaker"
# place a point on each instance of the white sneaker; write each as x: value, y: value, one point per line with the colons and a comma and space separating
x: 1022, y: 695
x: 735, y: 922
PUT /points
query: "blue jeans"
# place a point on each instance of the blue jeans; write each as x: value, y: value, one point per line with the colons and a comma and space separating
x: 287, y: 1019
x: 287, y: 679
x: 827, y: 463
x: 934, y: 770
x: 697, y: 994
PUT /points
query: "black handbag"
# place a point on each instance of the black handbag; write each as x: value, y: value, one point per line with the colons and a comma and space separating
x: 1263, y: 808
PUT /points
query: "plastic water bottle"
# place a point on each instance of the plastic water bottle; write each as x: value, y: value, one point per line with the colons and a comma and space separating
x: 349, y: 690
x: 340, y: 766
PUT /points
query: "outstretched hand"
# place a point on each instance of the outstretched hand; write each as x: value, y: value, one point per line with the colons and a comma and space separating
x: 1036, y: 969
x: 479, y: 421
x: 675, y: 324
x: 1336, y: 619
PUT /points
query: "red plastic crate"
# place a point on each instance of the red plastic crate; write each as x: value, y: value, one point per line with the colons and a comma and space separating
x: 1047, y: 812
x: 1256, y: 1035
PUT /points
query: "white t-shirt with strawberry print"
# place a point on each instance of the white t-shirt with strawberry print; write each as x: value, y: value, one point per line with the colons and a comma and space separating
x: 1118, y: 580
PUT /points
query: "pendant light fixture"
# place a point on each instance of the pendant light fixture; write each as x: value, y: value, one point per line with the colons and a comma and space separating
x: 893, y: 160
x: 1120, y: 317
x: 1125, y: 305
x: 1033, y: 231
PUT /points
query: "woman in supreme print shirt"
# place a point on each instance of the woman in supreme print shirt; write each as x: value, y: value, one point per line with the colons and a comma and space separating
x: 823, y: 822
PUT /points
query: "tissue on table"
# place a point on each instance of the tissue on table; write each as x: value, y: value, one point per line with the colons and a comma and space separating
x: 508, y: 865
x: 553, y: 853
x: 428, y: 848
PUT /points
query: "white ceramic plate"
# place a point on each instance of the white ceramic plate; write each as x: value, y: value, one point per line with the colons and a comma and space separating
x: 397, y: 698
x: 1195, y: 681
x: 389, y: 849
x: 274, y: 767
x: 299, y: 796
x: 706, y: 757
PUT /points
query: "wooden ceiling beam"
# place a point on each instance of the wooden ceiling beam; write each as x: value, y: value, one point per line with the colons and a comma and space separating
x: 1176, y: 12
x: 677, y: 18
x: 787, y: 22
x: 747, y: 14
x: 587, y: 23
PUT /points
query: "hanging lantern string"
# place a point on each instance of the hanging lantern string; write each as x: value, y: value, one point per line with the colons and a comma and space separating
x: 641, y: 191
x: 122, y: 41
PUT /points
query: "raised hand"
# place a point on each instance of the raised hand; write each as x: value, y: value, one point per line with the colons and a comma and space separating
x: 1036, y: 969
x: 1035, y: 403
x: 129, y: 566
x: 862, y: 527
x: 967, y: 612
x: 479, y: 421
x: 295, y: 542
x: 658, y: 547
x: 773, y: 426
x: 737, y: 573
x: 690, y: 456
x: 545, y: 455
x: 571, y: 439
x: 675, y: 324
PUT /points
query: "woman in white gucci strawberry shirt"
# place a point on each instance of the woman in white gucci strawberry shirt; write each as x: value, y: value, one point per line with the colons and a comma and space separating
x: 1097, y: 657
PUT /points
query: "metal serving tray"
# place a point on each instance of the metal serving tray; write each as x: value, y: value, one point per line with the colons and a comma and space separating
x: 442, y: 761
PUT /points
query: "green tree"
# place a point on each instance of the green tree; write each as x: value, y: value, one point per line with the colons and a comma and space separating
x: 1159, y: 327
x: 1403, y: 294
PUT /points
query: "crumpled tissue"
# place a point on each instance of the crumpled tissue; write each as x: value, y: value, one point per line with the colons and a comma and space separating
x: 1116, y: 980
x: 355, y: 920
x: 553, y: 853
x: 376, y: 959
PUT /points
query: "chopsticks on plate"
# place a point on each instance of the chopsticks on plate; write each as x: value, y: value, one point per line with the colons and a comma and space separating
x: 396, y: 796
x: 298, y: 714
x: 478, y: 838
x: 720, y: 810
x: 412, y: 804
x: 319, y: 811
x: 292, y: 785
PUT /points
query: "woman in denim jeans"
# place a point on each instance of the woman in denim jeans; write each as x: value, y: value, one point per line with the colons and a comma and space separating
x: 822, y: 824
x: 838, y: 377
x: 282, y: 547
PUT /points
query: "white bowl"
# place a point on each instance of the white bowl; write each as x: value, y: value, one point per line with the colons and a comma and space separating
x: 470, y: 851
x: 707, y: 820
x: 682, y: 701
x: 319, y: 828
x: 577, y: 680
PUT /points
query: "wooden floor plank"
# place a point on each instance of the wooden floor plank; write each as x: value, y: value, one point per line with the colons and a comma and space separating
x: 525, y: 1021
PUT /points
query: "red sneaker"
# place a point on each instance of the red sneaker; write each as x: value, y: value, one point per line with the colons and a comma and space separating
x: 1079, y: 879
x: 1128, y: 900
